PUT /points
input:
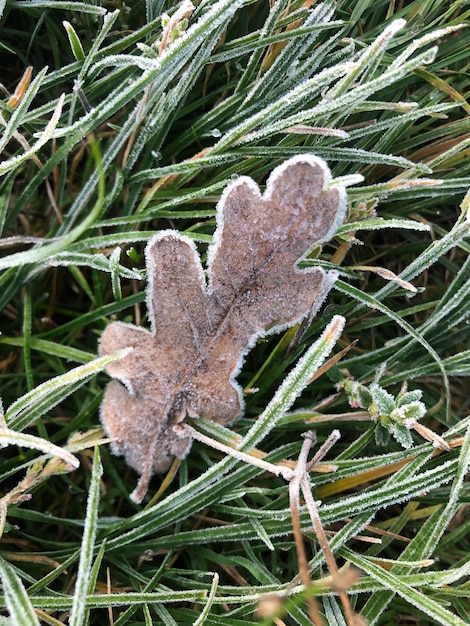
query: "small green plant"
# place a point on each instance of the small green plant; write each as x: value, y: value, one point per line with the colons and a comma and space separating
x: 395, y: 416
x: 122, y: 121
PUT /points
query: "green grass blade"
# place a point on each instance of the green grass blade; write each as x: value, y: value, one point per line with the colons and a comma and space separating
x: 20, y: 607
x: 79, y: 611
x: 48, y: 394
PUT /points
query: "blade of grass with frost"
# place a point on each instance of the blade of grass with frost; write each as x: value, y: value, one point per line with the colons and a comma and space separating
x: 19, y: 112
x: 50, y: 393
x: 107, y: 600
x: 426, y: 39
x: 405, y: 119
x: 379, y: 223
x: 79, y: 611
x: 359, y: 156
x: 207, y: 607
x: 12, y: 438
x: 372, y: 55
x: 187, y: 167
x: 418, y: 188
x: 269, y: 27
x: 294, y: 383
x: 81, y: 7
x: 108, y: 22
x: 293, y: 49
x: 350, y: 155
x: 333, y: 611
x: 95, y: 261
x: 20, y: 607
x: 439, y: 579
x: 74, y: 41
x: 448, y: 154
x: 49, y: 347
x: 433, y: 580
x: 46, y: 135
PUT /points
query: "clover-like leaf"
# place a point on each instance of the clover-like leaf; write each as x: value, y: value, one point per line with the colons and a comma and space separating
x: 201, y: 329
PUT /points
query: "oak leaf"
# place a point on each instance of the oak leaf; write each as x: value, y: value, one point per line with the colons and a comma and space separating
x: 202, y: 329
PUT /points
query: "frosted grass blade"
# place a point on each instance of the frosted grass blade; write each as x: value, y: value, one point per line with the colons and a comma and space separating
x: 20, y: 607
x: 79, y: 611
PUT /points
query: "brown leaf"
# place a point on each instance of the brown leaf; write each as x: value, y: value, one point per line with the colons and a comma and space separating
x: 200, y: 331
